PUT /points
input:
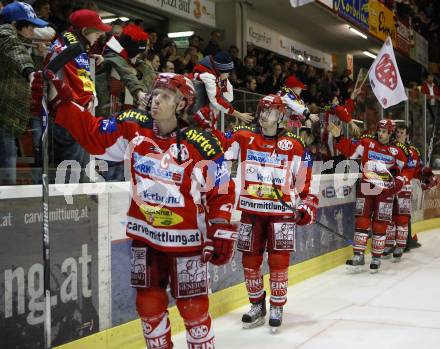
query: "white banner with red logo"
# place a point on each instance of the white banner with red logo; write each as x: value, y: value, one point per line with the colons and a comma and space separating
x: 385, y: 79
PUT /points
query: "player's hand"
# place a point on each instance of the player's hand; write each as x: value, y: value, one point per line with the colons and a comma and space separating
x: 244, y: 117
x: 314, y: 118
x: 37, y: 91
x: 60, y: 90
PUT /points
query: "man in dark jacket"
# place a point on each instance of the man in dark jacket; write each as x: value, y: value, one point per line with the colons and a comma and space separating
x: 16, y: 72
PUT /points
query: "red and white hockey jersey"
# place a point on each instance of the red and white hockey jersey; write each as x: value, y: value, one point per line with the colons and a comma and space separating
x: 171, y: 201
x: 376, y: 159
x: 263, y: 160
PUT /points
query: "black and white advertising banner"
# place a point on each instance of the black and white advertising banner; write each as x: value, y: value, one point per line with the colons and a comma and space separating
x: 74, y: 270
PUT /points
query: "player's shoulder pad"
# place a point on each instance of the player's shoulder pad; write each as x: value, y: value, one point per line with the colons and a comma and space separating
x: 402, y: 147
x: 206, y: 143
x: 415, y: 149
x: 294, y: 136
x: 137, y: 116
x: 69, y: 38
x: 244, y: 128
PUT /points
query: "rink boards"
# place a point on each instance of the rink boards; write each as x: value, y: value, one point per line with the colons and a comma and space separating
x: 90, y: 262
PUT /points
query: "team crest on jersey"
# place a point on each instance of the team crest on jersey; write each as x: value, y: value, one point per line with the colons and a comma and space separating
x: 393, y: 151
x: 285, y: 144
x: 184, y: 153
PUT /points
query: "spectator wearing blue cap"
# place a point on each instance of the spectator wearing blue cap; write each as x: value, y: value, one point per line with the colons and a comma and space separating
x: 213, y: 71
x: 16, y: 73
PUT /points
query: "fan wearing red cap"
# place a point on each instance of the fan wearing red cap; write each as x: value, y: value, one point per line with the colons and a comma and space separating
x: 118, y: 84
x: 291, y: 94
x: 86, y: 28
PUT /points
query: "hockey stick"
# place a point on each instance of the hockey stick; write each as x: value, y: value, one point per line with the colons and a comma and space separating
x: 56, y: 64
x: 431, y: 141
x: 295, y: 212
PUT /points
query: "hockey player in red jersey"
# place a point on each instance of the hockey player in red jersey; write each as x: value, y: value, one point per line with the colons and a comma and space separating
x: 397, y: 233
x: 270, y: 159
x: 374, y: 197
x: 178, y: 219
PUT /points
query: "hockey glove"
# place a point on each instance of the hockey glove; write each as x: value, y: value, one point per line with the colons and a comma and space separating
x: 307, y: 210
x: 37, y: 90
x: 62, y: 90
x: 219, y: 246
x: 399, y: 182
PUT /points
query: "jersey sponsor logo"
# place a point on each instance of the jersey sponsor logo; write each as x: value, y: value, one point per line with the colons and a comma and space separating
x: 163, y: 237
x: 261, y: 205
x: 192, y: 279
x: 411, y: 163
x: 159, y: 193
x: 284, y: 236
x: 262, y: 191
x: 82, y: 61
x: 70, y: 38
x: 133, y: 115
x: 285, y: 144
x: 199, y: 332
x: 266, y: 158
x: 372, y: 155
x: 160, y: 217
x: 261, y: 174
x: 207, y: 145
x: 148, y: 166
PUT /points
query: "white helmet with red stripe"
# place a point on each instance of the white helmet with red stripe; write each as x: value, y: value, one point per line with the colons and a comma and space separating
x: 273, y: 102
x: 386, y: 124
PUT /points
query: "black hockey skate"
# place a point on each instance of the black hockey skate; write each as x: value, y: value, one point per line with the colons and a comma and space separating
x: 275, y: 317
x: 256, y: 316
x: 375, y: 265
x: 397, y: 254
x: 388, y: 252
x: 356, y: 263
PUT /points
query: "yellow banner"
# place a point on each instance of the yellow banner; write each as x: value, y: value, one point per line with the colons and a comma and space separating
x: 381, y: 21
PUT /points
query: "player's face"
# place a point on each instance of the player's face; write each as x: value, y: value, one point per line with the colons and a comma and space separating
x: 163, y: 104
x: 401, y: 135
x: 269, y: 118
x: 383, y: 135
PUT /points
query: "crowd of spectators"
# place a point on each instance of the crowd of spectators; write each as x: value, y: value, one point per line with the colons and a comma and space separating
x: 259, y: 72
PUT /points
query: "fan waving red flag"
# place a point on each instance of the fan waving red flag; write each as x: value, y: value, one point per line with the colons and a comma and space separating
x: 385, y: 78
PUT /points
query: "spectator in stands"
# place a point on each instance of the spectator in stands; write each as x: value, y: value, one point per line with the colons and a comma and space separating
x: 432, y: 92
x: 117, y: 26
x: 16, y: 73
x: 274, y: 81
x: 326, y: 86
x: 190, y: 59
x: 195, y: 42
x: 247, y: 68
x: 152, y: 36
x: 168, y: 67
x: 42, y: 9
x: 301, y: 72
x: 87, y: 28
x: 173, y: 57
x: 214, y: 72
x: 251, y: 84
x: 152, y: 63
x: 345, y: 83
x: 234, y: 53
x: 213, y: 46
x: 118, y: 85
